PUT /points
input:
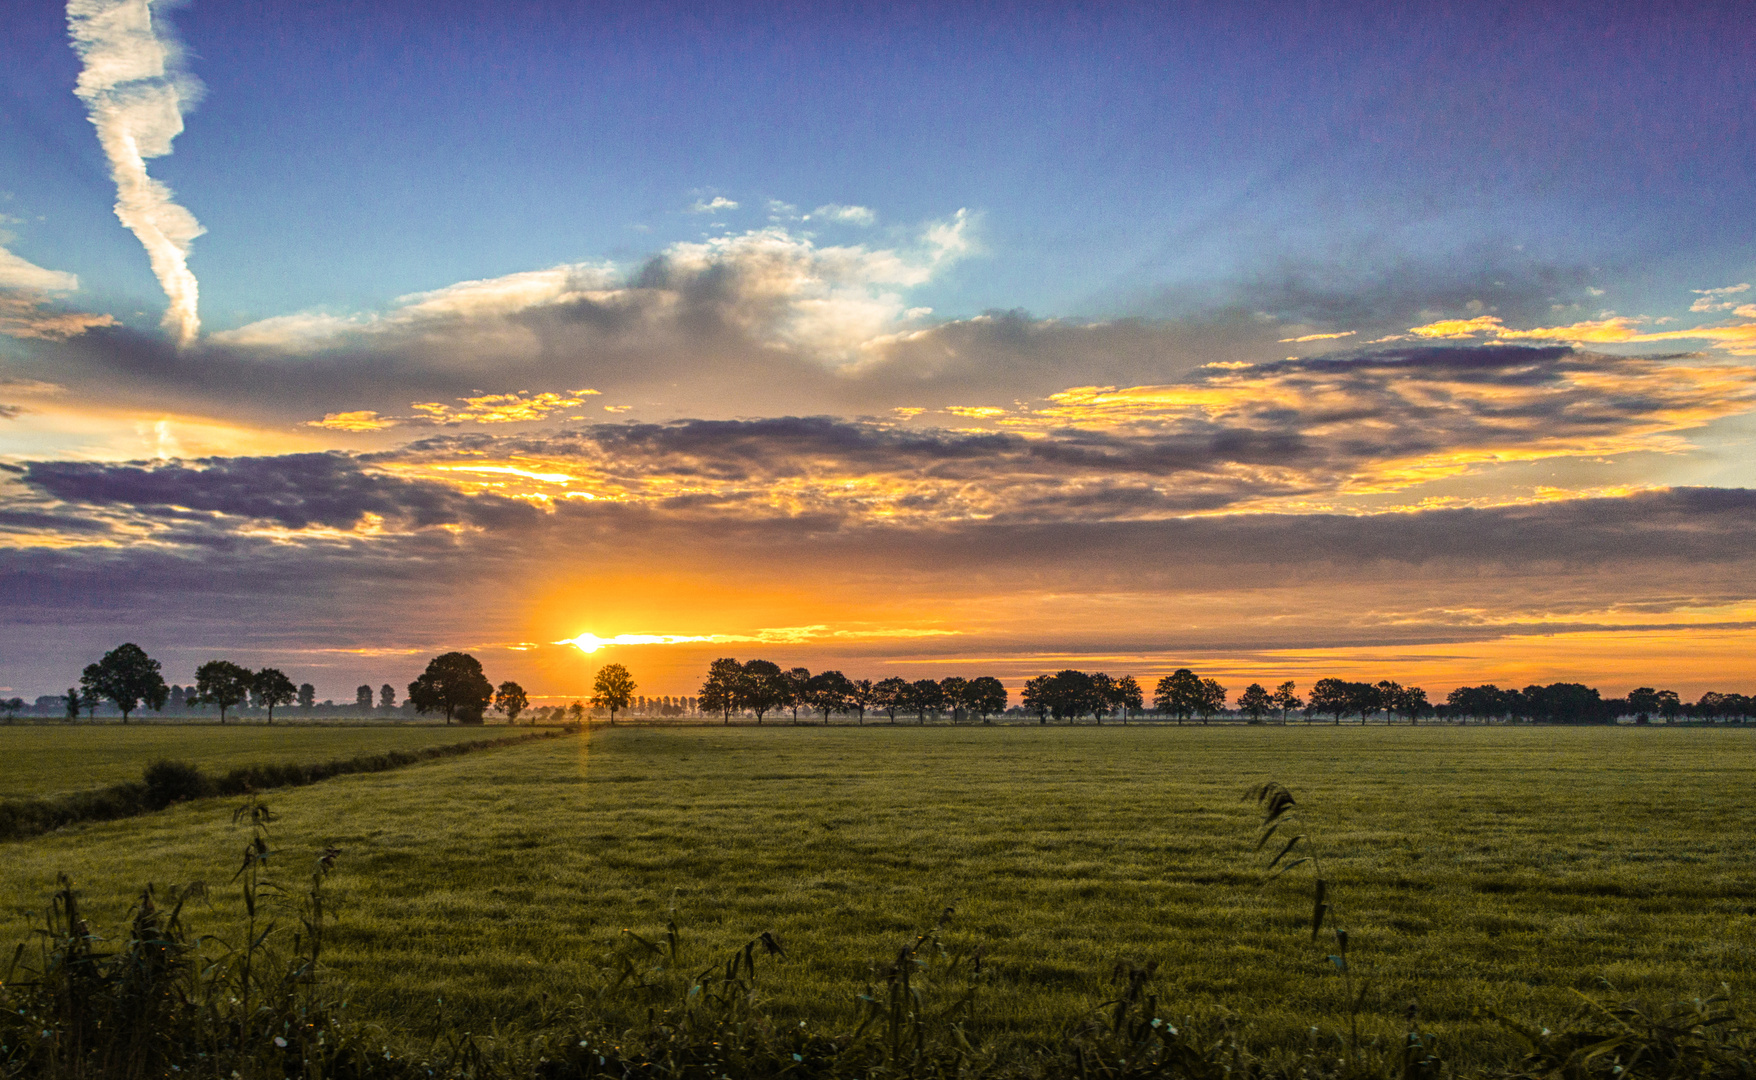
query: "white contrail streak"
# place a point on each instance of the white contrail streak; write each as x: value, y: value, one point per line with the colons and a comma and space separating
x: 135, y: 92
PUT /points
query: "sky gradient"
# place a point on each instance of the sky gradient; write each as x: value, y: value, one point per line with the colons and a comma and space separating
x: 1275, y: 340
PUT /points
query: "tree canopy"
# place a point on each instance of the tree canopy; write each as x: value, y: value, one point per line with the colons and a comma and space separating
x: 453, y: 683
x: 272, y: 687
x: 128, y: 677
x: 612, y: 689
x: 223, y: 683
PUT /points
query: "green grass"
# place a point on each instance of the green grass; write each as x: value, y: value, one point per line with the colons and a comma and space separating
x: 1475, y: 868
x: 40, y: 760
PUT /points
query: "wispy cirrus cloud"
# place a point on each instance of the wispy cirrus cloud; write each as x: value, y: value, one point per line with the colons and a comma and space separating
x: 136, y: 91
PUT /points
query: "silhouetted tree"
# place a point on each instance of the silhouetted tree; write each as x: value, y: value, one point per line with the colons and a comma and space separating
x: 794, y: 682
x: 1213, y: 699
x: 128, y: 677
x: 10, y: 707
x: 764, y: 687
x: 924, y: 696
x: 1286, y: 699
x: 890, y: 695
x: 307, y: 696
x: 511, y: 699
x: 720, y: 690
x: 222, y: 683
x: 613, y: 689
x: 987, y: 696
x: 272, y: 687
x: 1100, y: 695
x: 1178, y: 693
x: 1126, y: 696
x: 1255, y: 702
x: 1644, y: 701
x: 387, y: 697
x: 73, y: 704
x: 1036, y: 697
x: 1330, y: 696
x: 954, y: 688
x: 829, y: 691
x: 363, y: 697
x: 454, y: 683
x: 1070, y: 694
x: 864, y: 696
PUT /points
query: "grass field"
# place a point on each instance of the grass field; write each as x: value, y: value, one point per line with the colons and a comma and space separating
x: 1479, y: 868
x: 52, y: 759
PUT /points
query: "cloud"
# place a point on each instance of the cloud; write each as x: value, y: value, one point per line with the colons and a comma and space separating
x: 1318, y: 337
x: 358, y: 420
x: 1739, y: 340
x: 21, y: 275
x: 24, y: 315
x: 1715, y: 299
x: 136, y: 91
x: 717, y: 203
x: 843, y: 215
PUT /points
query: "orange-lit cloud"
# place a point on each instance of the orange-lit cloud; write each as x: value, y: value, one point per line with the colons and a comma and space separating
x: 1738, y: 339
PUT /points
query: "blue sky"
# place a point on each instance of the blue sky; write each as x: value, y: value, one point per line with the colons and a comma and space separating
x: 1340, y: 339
x: 1122, y: 159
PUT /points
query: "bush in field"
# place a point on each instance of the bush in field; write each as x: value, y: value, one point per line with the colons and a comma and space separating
x: 170, y: 782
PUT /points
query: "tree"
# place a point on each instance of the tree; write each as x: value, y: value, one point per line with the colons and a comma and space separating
x: 865, y: 695
x: 721, y: 690
x: 890, y: 695
x: 363, y: 698
x: 271, y: 687
x: 829, y: 691
x: 387, y: 697
x: 11, y: 706
x: 127, y: 676
x: 1070, y: 693
x: 1255, y: 702
x: 763, y: 687
x: 955, y: 688
x: 1178, y: 693
x: 222, y: 683
x: 795, y: 684
x: 1363, y: 698
x: 576, y: 711
x: 1409, y: 701
x: 1287, y: 699
x: 1213, y: 699
x: 1036, y: 697
x: 511, y: 699
x: 454, y: 683
x: 73, y: 704
x: 987, y: 696
x: 1330, y: 696
x: 924, y: 696
x: 307, y: 696
x: 612, y: 689
x: 1100, y: 694
x: 1643, y: 700
x: 1126, y: 696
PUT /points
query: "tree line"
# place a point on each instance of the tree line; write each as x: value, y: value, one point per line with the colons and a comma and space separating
x: 455, y: 685
x: 761, y: 687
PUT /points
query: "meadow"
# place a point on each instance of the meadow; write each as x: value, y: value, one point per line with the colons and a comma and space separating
x: 1475, y: 869
x: 39, y: 760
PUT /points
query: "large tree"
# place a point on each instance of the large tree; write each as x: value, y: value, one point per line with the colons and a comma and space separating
x: 829, y: 691
x: 1036, y: 697
x: 387, y: 697
x: 223, y: 683
x: 987, y: 696
x: 721, y: 690
x: 890, y: 695
x: 613, y: 689
x: 363, y: 698
x: 763, y: 688
x: 271, y: 687
x: 956, y: 690
x: 511, y: 699
x: 1213, y: 699
x: 1100, y: 694
x: 128, y: 677
x: 453, y: 683
x: 924, y: 696
x: 1255, y: 702
x: 1330, y: 696
x: 1178, y: 693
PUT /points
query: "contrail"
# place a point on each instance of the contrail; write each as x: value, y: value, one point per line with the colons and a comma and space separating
x: 135, y: 92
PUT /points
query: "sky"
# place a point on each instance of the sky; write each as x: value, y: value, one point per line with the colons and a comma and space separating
x: 1273, y: 340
